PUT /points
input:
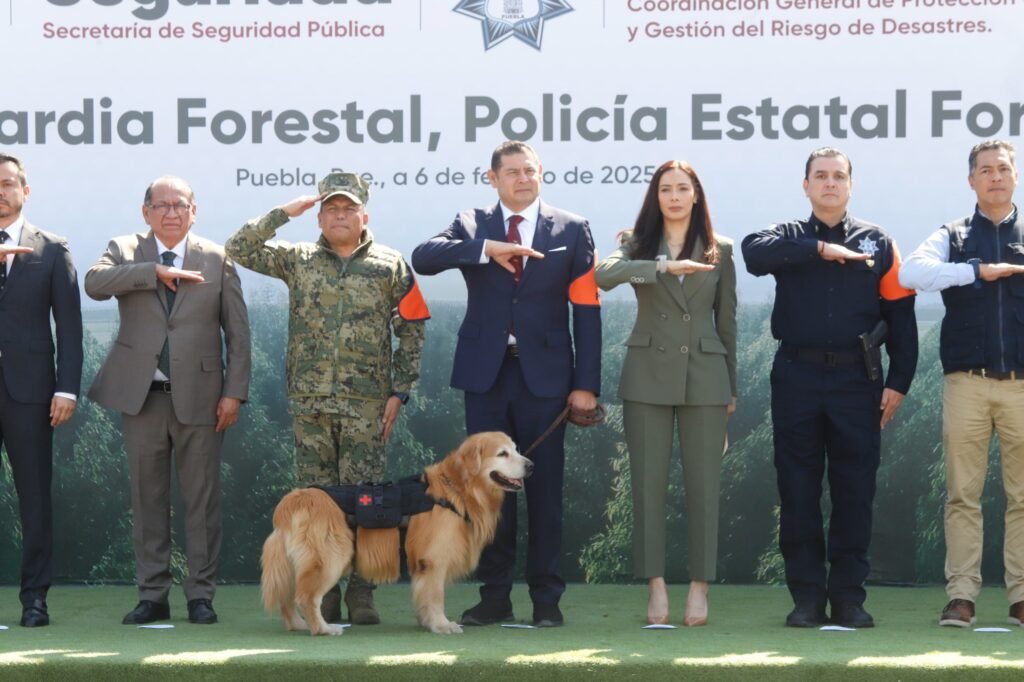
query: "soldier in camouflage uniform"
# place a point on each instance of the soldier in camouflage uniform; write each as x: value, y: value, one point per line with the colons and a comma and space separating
x: 346, y: 384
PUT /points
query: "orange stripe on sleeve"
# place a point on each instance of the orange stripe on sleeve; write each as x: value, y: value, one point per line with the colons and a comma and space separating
x: 412, y: 307
x: 583, y: 289
x: 889, y: 286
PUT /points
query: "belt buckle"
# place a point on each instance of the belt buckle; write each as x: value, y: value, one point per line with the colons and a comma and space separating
x: 830, y: 359
x: 165, y: 387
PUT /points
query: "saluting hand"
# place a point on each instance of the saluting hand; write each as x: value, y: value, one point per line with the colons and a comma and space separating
x: 687, y: 267
x: 838, y: 252
x: 170, y: 276
x: 12, y: 250
x: 990, y: 272
x: 297, y: 207
x: 502, y: 253
x: 890, y: 401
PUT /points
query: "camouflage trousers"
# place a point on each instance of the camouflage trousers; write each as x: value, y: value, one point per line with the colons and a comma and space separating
x: 344, y: 446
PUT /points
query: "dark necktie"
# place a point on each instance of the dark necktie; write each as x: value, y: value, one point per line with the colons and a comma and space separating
x: 164, y: 364
x: 3, y: 265
x: 513, y: 237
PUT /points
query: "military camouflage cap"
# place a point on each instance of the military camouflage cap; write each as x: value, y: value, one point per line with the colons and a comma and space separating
x: 345, y: 184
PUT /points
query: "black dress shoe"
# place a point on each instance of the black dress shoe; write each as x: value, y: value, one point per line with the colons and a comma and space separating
x: 547, y: 615
x: 34, y: 614
x: 489, y: 612
x: 147, y: 612
x: 851, y: 616
x: 806, y: 615
x: 201, y: 611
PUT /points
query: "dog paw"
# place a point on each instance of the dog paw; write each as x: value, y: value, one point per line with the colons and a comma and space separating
x: 447, y: 628
x: 335, y: 630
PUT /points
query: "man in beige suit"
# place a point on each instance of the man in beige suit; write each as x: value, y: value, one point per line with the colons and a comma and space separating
x: 179, y: 299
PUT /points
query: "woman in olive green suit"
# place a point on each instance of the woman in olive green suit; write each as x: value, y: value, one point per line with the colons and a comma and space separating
x: 680, y: 368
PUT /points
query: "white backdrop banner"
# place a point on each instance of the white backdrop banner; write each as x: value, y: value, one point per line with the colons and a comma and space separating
x: 253, y: 101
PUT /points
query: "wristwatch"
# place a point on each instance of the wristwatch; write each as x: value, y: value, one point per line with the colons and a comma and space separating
x: 403, y: 397
x: 976, y: 264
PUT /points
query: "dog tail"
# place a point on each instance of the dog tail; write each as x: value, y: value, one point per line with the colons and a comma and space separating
x: 277, y: 584
x: 377, y: 554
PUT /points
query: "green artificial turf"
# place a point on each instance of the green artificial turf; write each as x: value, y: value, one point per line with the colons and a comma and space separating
x: 602, y: 639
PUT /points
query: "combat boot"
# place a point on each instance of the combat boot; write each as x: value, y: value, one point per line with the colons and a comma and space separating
x: 359, y: 599
x: 330, y: 605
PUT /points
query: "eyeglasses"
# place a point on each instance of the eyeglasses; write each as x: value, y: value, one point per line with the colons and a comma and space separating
x: 180, y: 207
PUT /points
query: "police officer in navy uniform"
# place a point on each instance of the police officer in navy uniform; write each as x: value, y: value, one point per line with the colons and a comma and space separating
x: 836, y: 277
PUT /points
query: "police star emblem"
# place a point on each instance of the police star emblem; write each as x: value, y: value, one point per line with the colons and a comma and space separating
x: 504, y: 19
x: 868, y: 246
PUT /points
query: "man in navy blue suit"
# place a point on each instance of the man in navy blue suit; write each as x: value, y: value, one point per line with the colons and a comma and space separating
x: 516, y: 360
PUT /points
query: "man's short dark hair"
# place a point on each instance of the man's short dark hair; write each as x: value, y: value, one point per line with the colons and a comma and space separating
x: 22, y: 176
x: 149, y: 190
x: 827, y: 153
x: 508, y: 148
x: 972, y: 160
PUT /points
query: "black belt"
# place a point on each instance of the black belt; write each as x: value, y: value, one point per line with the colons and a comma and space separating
x: 160, y: 386
x: 998, y: 376
x: 823, y: 357
x: 512, y: 350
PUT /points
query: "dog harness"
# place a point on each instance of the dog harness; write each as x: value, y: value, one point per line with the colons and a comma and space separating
x: 388, y: 504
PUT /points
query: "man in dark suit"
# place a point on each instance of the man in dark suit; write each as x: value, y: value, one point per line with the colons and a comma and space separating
x: 180, y: 304
x: 37, y: 277
x: 516, y: 361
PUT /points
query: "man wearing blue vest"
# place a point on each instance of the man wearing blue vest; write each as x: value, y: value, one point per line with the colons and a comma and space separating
x: 977, y: 263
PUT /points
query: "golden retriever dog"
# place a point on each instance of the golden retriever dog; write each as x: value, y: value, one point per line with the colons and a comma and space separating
x: 311, y: 546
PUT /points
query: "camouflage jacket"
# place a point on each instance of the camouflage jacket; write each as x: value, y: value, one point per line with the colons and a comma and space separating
x: 342, y: 312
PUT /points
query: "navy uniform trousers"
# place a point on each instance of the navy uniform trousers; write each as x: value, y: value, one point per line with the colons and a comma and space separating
x: 511, y: 408
x: 826, y: 421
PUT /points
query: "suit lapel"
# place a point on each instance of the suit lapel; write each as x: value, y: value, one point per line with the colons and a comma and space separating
x: 193, y: 260
x: 29, y: 238
x: 541, y: 237
x: 494, y: 224
x: 671, y: 282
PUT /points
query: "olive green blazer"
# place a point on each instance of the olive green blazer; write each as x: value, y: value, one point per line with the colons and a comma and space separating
x: 682, y: 350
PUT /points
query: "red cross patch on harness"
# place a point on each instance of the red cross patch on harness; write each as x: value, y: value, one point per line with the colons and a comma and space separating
x: 365, y: 500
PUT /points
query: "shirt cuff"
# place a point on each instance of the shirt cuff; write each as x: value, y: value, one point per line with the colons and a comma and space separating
x: 69, y: 396
x: 484, y: 258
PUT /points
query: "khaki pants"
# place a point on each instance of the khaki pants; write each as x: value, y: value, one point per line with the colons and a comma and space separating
x: 971, y: 406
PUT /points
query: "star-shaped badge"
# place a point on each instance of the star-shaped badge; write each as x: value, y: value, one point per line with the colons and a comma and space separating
x: 868, y: 246
x: 503, y: 19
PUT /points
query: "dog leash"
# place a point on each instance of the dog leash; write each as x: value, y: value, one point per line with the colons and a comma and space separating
x: 579, y: 418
